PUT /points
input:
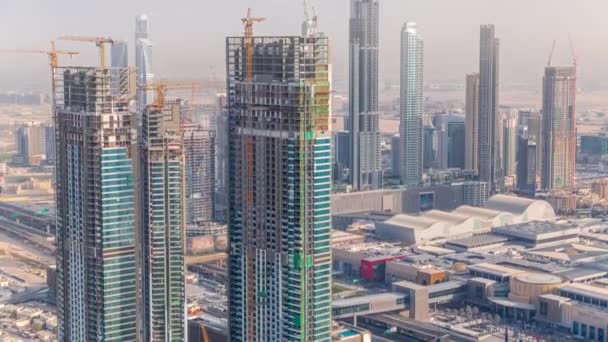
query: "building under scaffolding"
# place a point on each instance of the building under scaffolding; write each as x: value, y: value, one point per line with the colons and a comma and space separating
x: 199, y: 158
x: 279, y: 185
x: 96, y: 257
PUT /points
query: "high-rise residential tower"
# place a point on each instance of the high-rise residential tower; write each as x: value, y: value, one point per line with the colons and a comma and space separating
x: 471, y: 150
x: 526, y: 162
x: 509, y: 144
x: 396, y: 155
x: 199, y: 159
x: 456, y: 141
x: 96, y: 257
x: 410, y: 128
x: 279, y: 188
x: 161, y: 214
x: 489, y: 149
x: 559, y: 128
x: 143, y: 56
x: 366, y: 155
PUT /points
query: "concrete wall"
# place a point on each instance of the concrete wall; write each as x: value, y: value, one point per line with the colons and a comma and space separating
x: 356, y: 202
x: 446, y: 197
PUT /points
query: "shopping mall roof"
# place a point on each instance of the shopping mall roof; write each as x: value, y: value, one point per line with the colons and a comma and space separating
x: 537, y: 230
x: 532, y: 209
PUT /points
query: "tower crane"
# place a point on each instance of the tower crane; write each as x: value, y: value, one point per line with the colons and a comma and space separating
x: 53, y: 58
x: 310, y: 23
x: 551, y: 53
x: 248, y: 22
x: 99, y: 41
x: 52, y: 53
x: 161, y: 88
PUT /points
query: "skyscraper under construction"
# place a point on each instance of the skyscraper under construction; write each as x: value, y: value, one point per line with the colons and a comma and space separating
x: 96, y: 275
x: 199, y: 159
x: 279, y: 187
x: 161, y: 221
x: 559, y: 128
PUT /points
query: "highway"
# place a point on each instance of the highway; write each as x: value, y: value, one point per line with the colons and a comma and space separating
x: 42, y: 222
x: 409, y: 330
x: 36, y: 238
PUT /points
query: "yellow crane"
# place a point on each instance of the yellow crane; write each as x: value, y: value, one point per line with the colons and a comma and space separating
x: 162, y: 87
x: 100, y: 42
x: 248, y: 22
x: 52, y: 53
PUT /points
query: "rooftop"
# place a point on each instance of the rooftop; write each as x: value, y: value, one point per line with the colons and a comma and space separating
x: 495, y: 269
x: 482, y: 213
x: 410, y: 221
x: 536, y: 230
x: 582, y: 274
x: 478, y: 240
x: 521, y: 206
x: 538, y: 278
x: 586, y: 290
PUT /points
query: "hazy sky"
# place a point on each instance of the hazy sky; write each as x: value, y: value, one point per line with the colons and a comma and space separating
x: 189, y: 35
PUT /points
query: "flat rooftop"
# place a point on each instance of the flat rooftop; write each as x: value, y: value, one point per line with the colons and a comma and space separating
x: 359, y: 300
x: 586, y: 290
x: 537, y: 230
x: 495, y: 269
x: 478, y: 241
x: 582, y: 274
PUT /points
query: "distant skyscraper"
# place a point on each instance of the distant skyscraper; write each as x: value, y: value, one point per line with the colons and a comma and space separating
x: 221, y: 157
x: 143, y: 56
x: 22, y: 141
x: 445, y: 138
x: 429, y: 135
x: 509, y: 143
x: 456, y: 142
x: 533, y: 122
x: 396, y: 156
x: 366, y: 156
x: 119, y: 61
x: 49, y: 143
x: 96, y: 275
x: 471, y: 153
x: 489, y: 149
x: 559, y: 128
x: 120, y: 54
x: 475, y: 193
x: 526, y: 163
x: 412, y: 68
x: 199, y: 158
x: 341, y: 153
x: 30, y: 141
x: 279, y: 189
x: 161, y: 213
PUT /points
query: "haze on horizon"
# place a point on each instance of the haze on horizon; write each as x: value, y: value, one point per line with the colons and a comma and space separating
x: 189, y: 35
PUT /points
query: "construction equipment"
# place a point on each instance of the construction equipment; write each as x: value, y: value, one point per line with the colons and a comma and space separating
x: 310, y: 23
x: 551, y: 53
x: 52, y: 53
x: 248, y: 22
x: 99, y: 41
x: 53, y: 57
x: 204, y: 334
x: 162, y: 87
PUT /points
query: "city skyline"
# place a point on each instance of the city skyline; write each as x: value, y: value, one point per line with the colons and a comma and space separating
x: 178, y: 60
x: 144, y: 208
